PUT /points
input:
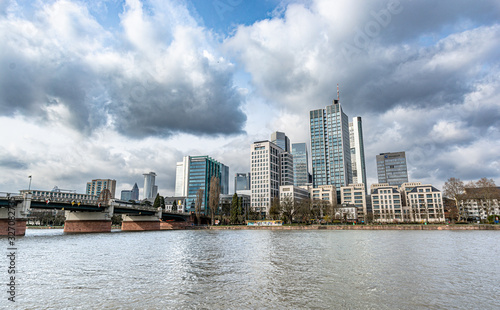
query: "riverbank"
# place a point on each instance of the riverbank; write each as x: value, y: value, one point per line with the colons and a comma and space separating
x: 355, y: 227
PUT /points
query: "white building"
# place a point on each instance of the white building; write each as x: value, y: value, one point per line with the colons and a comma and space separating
x: 324, y: 192
x: 150, y: 189
x: 355, y: 194
x: 386, y: 203
x: 357, y: 151
x: 295, y: 193
x: 424, y: 203
x: 265, y: 168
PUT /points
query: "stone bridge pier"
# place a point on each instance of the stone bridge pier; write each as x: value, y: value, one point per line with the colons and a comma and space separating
x: 13, y: 217
x: 86, y: 222
x: 141, y: 222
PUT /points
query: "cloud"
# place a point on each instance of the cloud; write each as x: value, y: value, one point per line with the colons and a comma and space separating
x: 156, y: 78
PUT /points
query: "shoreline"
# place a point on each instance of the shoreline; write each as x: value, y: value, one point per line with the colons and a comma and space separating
x: 327, y: 227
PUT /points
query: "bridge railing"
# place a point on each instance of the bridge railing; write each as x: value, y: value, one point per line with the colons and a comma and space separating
x: 63, y: 200
x: 10, y: 195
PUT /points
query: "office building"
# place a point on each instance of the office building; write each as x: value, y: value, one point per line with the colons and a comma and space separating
x: 294, y: 193
x: 241, y: 182
x: 281, y: 140
x: 330, y: 147
x: 150, y: 189
x: 391, y: 168
x: 286, y: 168
x: 265, y: 168
x: 357, y: 151
x: 194, y: 173
x: 96, y: 186
x: 324, y: 192
x: 300, y: 164
x: 132, y: 194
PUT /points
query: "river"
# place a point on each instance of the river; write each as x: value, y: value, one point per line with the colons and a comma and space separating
x: 256, y: 269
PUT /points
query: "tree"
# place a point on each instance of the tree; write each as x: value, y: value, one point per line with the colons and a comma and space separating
x: 275, y: 209
x: 288, y: 208
x: 213, y: 196
x: 157, y: 202
x: 235, y: 209
x: 454, y: 189
x: 199, y: 202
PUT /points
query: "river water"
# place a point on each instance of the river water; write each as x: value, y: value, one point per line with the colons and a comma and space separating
x: 256, y: 269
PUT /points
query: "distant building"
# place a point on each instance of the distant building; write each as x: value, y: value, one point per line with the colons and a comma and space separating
x: 300, y: 164
x: 330, y: 147
x: 355, y: 195
x: 132, y: 194
x: 265, y: 167
x: 57, y: 194
x: 325, y: 193
x: 286, y: 168
x: 96, y: 186
x: 479, y: 203
x: 242, y: 181
x: 293, y: 192
x: 357, y: 151
x: 386, y: 203
x: 175, y: 204
x: 281, y: 140
x: 392, y: 169
x: 194, y: 173
x: 150, y: 189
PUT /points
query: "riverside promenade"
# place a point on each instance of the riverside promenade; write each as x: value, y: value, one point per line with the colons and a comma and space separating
x: 354, y: 227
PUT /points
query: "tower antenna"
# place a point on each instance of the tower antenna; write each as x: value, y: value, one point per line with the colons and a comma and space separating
x: 338, y: 92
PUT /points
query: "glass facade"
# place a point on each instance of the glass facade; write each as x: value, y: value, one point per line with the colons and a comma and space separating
x: 392, y: 169
x: 241, y: 181
x: 300, y: 164
x: 330, y: 147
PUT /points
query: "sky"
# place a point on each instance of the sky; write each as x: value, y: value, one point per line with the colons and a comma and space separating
x: 115, y: 89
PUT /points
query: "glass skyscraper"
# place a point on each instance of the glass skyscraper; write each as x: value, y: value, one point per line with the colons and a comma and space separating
x: 242, y: 181
x: 194, y: 173
x: 330, y: 146
x: 281, y: 140
x: 300, y: 164
x: 392, y: 169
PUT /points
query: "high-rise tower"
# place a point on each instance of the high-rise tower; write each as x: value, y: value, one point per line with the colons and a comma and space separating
x: 391, y: 168
x: 150, y: 189
x: 281, y: 140
x: 357, y: 152
x: 330, y: 147
x: 300, y: 164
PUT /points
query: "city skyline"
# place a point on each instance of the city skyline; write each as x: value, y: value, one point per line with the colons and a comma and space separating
x: 113, y: 95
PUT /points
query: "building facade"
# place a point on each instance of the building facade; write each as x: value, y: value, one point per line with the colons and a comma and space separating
x: 300, y: 164
x: 150, y: 189
x: 355, y: 195
x: 265, y: 168
x: 330, y: 147
x: 242, y: 181
x: 281, y: 140
x: 357, y: 151
x: 386, y: 204
x: 195, y: 173
x: 324, y: 192
x: 96, y: 186
x: 57, y: 194
x: 286, y: 177
x: 424, y: 203
x: 132, y: 194
x: 479, y: 203
x: 293, y: 192
x: 392, y: 169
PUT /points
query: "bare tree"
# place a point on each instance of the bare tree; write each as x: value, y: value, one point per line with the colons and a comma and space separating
x: 487, y: 192
x: 213, y: 197
x: 199, y: 202
x: 275, y: 209
x: 288, y: 208
x: 454, y: 189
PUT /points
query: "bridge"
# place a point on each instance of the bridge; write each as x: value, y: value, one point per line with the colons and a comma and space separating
x: 86, y: 215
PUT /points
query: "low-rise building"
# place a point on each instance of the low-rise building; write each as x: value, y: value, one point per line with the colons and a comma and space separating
x: 424, y: 203
x: 479, y: 203
x: 355, y: 194
x: 386, y: 203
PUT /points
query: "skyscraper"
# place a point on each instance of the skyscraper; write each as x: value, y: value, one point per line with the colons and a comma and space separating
x: 391, y: 168
x: 132, y: 194
x: 286, y: 169
x: 357, y: 152
x: 300, y: 164
x: 330, y: 147
x: 194, y: 173
x: 241, y: 181
x: 150, y: 189
x: 281, y: 140
x: 96, y: 186
x: 265, y: 162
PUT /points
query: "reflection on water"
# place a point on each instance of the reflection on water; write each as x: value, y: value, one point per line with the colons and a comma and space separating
x: 252, y: 269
